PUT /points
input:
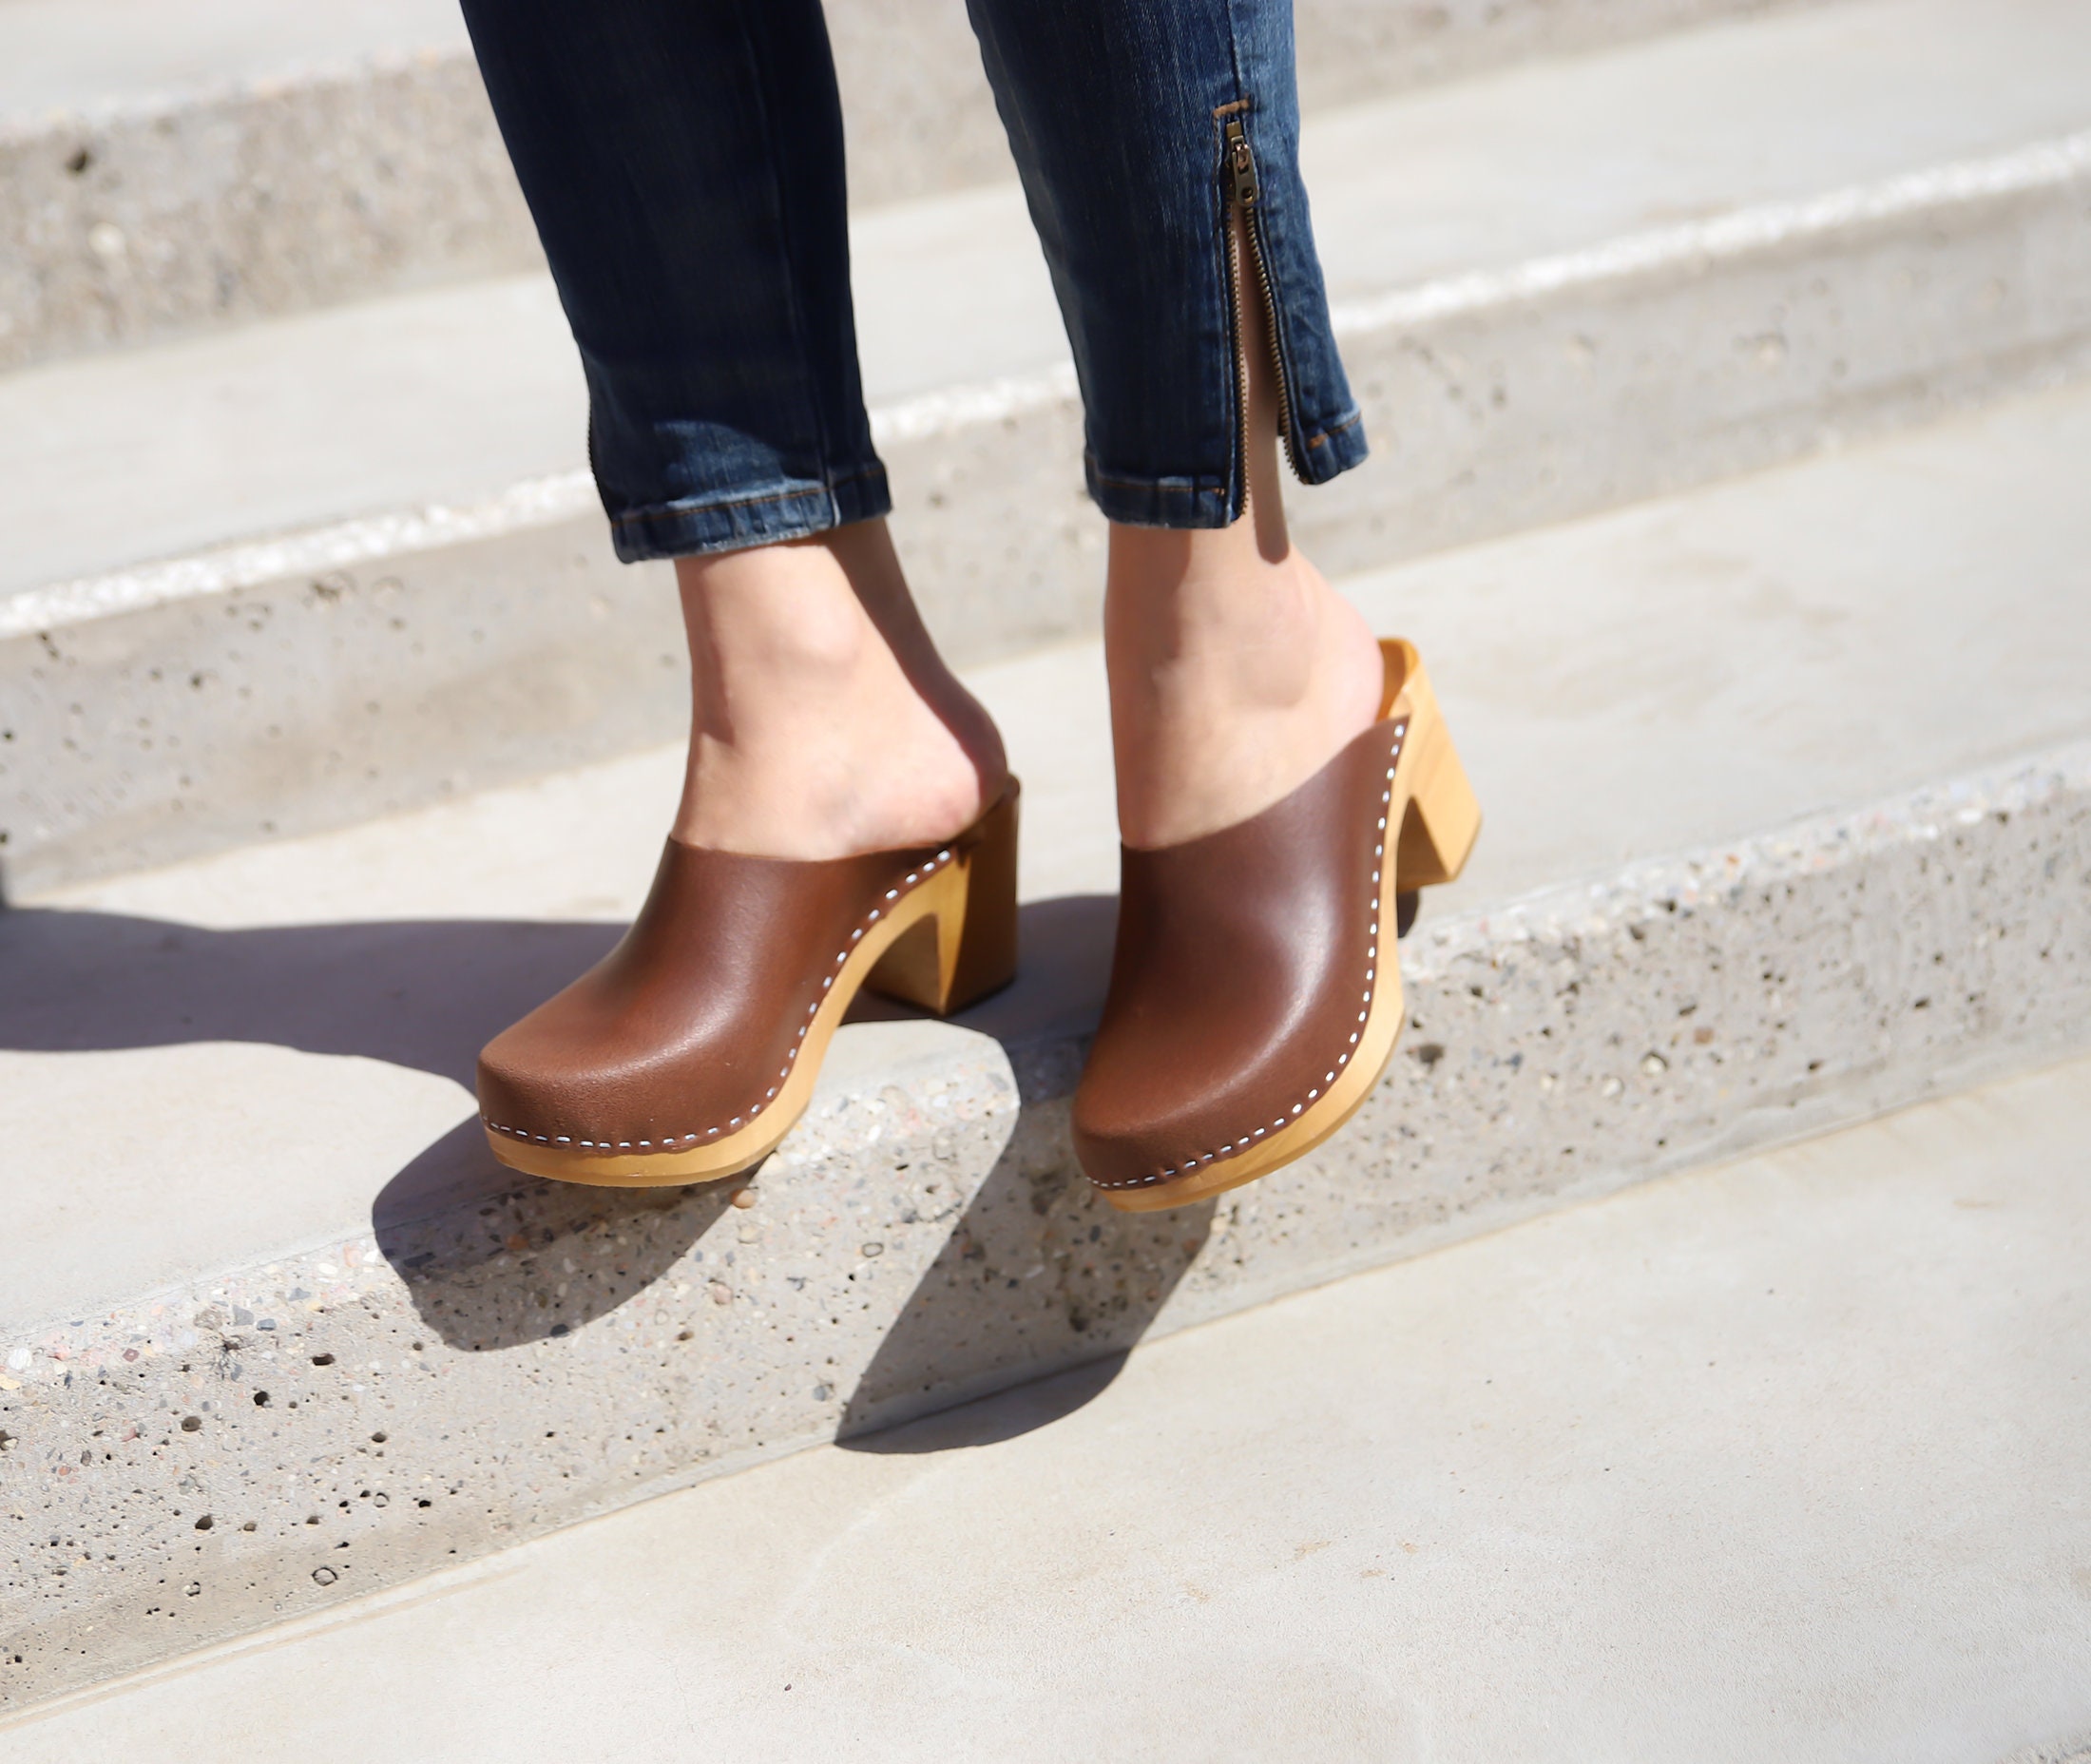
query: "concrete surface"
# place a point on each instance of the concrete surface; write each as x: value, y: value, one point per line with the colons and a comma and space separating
x: 1782, y: 1460
x: 1709, y: 320
x: 151, y: 214
x: 72, y: 58
x: 164, y: 170
x: 1709, y: 662
x: 235, y: 1091
x: 272, y: 1049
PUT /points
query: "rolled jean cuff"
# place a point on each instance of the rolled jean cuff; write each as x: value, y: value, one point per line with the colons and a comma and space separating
x: 736, y: 519
x: 1332, y: 449
x: 1133, y: 500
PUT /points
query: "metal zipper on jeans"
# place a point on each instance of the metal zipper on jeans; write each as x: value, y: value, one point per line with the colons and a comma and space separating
x: 1244, y: 189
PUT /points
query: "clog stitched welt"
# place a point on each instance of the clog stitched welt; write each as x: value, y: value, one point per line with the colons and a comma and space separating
x: 1371, y: 957
x: 913, y: 878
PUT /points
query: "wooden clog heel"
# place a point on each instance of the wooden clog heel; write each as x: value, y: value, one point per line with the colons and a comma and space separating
x: 963, y: 946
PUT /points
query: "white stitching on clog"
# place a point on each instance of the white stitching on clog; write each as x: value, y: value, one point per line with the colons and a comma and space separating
x: 914, y: 877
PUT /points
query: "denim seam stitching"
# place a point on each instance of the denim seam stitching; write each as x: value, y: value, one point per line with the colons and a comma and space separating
x: 1333, y: 429
x: 1155, y: 486
x: 1231, y: 292
x: 796, y: 304
x: 1275, y: 317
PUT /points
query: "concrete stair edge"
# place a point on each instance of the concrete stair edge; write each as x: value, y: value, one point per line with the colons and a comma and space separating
x: 1699, y: 351
x: 1686, y: 1398
x: 923, y: 1238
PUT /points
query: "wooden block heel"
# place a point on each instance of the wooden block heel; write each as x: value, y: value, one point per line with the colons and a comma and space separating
x: 965, y: 947
x: 688, y: 1051
x: 1255, y: 989
x: 1442, y: 819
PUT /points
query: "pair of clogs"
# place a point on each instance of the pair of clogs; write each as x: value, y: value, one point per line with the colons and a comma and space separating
x: 1254, y: 994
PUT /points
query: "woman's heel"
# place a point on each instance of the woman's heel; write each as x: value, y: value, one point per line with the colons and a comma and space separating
x: 1442, y: 818
x: 966, y: 947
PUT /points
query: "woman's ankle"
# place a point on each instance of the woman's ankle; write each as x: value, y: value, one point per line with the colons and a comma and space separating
x: 1234, y: 676
x: 823, y: 720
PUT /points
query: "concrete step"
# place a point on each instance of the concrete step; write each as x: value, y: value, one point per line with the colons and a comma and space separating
x: 1561, y: 288
x: 242, y: 1158
x: 165, y: 171
x: 1782, y: 1460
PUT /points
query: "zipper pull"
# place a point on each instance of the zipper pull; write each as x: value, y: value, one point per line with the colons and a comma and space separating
x: 1241, y: 165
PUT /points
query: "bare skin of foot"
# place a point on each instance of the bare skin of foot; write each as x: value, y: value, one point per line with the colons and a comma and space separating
x: 823, y: 721
x: 1236, y: 671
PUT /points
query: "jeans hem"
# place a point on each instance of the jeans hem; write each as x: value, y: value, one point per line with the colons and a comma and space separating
x: 1188, y: 502
x: 1333, y: 449
x: 735, y: 522
x: 1157, y: 502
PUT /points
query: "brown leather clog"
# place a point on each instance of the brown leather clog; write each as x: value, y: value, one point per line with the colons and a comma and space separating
x: 1255, y: 989
x: 686, y: 1053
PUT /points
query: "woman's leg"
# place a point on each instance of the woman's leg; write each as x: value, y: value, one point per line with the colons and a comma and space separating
x: 1158, y: 144
x: 1268, y: 752
x: 683, y: 160
x: 845, y: 821
x: 1236, y: 670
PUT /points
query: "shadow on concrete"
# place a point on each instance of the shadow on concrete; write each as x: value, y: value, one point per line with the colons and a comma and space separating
x: 1043, y: 1285
x: 1040, y: 1277
x: 480, y: 1248
x: 491, y: 1261
x: 1005, y: 1413
x: 1040, y: 1285
x: 1039, y: 1274
x: 425, y: 994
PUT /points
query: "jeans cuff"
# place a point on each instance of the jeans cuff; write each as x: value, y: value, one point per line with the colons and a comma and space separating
x: 1157, y: 502
x: 1185, y: 502
x: 735, y: 522
x: 1333, y: 449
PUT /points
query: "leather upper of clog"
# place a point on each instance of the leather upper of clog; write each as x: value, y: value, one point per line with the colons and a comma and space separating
x: 688, y: 1028
x: 1245, y: 968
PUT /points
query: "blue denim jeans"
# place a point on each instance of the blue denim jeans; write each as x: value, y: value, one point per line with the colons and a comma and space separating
x: 683, y: 160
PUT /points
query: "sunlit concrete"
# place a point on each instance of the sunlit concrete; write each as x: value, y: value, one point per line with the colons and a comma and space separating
x: 1779, y: 1461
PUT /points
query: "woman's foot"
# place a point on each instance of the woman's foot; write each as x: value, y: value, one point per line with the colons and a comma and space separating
x: 1256, y: 988
x: 824, y: 724
x: 825, y: 730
